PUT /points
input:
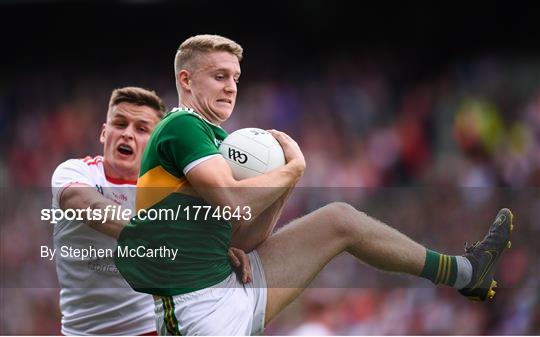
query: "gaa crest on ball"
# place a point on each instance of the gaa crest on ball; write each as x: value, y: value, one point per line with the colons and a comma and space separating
x: 251, y: 152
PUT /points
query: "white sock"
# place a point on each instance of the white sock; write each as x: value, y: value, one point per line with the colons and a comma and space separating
x: 464, y: 272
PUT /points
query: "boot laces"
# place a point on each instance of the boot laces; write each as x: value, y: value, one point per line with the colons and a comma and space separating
x: 469, y: 248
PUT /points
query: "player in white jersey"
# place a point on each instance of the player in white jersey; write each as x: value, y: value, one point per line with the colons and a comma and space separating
x: 94, y: 297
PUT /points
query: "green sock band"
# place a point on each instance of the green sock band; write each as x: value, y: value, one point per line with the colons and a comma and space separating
x: 440, y: 268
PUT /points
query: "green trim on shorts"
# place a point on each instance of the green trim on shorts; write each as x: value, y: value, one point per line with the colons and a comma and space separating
x: 169, y: 318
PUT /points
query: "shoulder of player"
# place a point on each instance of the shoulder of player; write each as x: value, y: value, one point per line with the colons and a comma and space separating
x: 84, y: 170
x: 184, y: 119
x: 85, y: 162
x: 89, y: 167
x: 183, y: 114
x: 89, y: 161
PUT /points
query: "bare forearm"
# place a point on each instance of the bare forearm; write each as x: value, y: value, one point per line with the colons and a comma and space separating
x: 86, y: 197
x: 258, y: 193
x: 249, y: 235
x: 108, y: 226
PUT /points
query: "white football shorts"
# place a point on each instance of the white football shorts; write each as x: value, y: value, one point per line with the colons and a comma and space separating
x: 229, y: 308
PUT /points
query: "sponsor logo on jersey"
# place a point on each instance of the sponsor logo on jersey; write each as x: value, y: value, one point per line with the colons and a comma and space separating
x: 102, y: 265
x: 120, y: 198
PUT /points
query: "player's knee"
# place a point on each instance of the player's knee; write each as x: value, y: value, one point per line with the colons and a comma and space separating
x: 344, y: 218
x: 339, y: 207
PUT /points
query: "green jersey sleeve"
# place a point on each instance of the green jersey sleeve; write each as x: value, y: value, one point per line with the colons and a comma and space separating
x: 185, y: 139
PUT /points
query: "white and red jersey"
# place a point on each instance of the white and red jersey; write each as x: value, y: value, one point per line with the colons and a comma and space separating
x: 94, y: 298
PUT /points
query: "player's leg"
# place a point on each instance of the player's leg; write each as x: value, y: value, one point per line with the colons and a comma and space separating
x: 293, y: 256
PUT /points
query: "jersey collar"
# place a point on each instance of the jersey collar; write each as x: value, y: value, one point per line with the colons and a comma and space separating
x: 193, y: 112
x: 118, y: 181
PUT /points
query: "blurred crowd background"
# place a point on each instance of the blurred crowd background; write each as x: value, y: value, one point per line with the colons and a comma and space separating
x: 426, y: 119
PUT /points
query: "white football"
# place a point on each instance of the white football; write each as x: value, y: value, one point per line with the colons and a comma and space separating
x: 251, y: 152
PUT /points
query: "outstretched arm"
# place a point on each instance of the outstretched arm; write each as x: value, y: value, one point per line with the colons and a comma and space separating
x: 83, y: 196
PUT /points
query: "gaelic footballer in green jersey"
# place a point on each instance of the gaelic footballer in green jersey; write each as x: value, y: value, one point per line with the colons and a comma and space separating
x: 202, y: 242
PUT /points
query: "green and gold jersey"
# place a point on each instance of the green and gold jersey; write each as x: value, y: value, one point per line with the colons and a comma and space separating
x: 180, y: 141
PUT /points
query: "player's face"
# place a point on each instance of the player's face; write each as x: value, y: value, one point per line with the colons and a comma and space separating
x: 214, y: 85
x: 124, y: 138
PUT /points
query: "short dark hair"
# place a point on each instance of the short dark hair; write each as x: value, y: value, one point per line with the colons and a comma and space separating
x: 138, y: 96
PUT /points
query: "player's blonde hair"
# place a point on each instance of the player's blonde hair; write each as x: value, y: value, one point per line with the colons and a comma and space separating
x: 137, y: 96
x: 190, y: 50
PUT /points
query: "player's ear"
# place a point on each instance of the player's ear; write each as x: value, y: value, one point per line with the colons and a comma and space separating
x: 102, y: 134
x: 184, y: 79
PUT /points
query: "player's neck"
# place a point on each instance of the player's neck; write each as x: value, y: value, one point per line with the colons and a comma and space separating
x: 118, y: 176
x: 199, y: 111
